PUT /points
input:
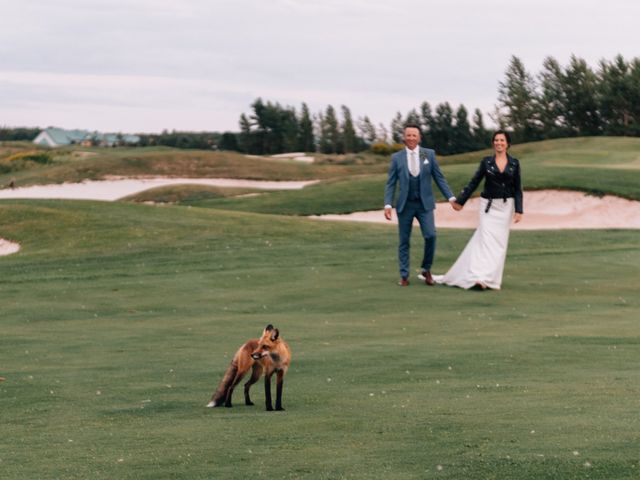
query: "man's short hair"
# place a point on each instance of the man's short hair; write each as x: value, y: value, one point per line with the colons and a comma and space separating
x: 411, y: 125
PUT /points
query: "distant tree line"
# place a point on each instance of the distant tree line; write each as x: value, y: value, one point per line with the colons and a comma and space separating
x: 569, y: 101
x: 272, y: 128
x: 196, y: 140
x: 9, y: 134
x: 573, y: 100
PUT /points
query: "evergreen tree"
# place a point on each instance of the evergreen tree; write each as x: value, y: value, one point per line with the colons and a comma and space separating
x: 274, y: 128
x: 462, y: 139
x: 367, y: 130
x: 517, y: 102
x: 349, y: 138
x: 616, y: 91
x: 552, y: 104
x: 245, y: 139
x: 412, y: 117
x: 383, y: 133
x: 330, y: 141
x: 481, y: 136
x: 442, y: 131
x: 580, y: 87
x: 428, y: 124
x: 321, y: 133
x: 287, y: 129
x: 260, y: 121
x: 397, y: 128
x: 18, y: 133
x: 306, y: 139
x: 634, y: 96
x: 333, y: 128
x: 228, y: 141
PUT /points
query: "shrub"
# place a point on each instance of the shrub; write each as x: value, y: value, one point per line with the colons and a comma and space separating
x: 24, y: 160
x: 381, y: 148
x: 31, y: 156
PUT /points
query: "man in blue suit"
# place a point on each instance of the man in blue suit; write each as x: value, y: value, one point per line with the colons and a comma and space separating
x: 413, y: 168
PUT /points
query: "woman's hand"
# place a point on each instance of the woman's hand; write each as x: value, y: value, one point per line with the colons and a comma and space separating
x: 517, y: 217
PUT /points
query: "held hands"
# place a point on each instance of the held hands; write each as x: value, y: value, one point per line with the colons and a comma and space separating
x: 387, y: 213
x: 455, y: 205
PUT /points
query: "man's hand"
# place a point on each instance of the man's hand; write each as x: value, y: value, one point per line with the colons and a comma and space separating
x: 456, y: 206
x: 387, y: 213
x: 517, y: 217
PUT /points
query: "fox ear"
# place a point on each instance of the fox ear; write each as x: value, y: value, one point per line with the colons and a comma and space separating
x: 275, y: 333
x: 268, y: 328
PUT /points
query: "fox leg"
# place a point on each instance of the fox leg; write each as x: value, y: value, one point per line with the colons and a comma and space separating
x: 279, y: 385
x: 267, y: 391
x: 255, y: 376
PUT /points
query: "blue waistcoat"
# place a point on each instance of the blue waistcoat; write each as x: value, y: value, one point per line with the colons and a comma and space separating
x: 414, y: 188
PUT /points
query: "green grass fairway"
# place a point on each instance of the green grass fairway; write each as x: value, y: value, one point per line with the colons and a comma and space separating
x: 119, y: 319
x: 571, y: 164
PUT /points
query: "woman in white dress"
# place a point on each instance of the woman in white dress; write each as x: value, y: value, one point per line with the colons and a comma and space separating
x: 481, y: 263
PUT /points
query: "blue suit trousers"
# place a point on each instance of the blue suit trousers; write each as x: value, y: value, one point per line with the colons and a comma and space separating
x: 415, y: 209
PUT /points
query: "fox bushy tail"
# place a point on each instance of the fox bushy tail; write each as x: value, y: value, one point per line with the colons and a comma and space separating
x: 220, y: 395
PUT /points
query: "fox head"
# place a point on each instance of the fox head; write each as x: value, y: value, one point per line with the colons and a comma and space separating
x: 267, y: 343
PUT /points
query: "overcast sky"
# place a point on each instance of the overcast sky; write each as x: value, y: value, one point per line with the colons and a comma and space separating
x: 148, y: 65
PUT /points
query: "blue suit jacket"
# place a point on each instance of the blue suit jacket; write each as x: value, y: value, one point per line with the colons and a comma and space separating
x: 399, y: 173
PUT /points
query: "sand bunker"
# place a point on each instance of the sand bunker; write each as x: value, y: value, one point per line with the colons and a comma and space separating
x: 115, y: 189
x: 544, y: 210
x: 297, y: 156
x: 7, y: 247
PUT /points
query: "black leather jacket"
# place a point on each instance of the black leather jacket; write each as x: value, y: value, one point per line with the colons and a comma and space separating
x: 497, y: 184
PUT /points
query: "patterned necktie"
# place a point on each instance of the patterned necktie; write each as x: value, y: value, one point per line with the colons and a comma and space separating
x: 414, y: 168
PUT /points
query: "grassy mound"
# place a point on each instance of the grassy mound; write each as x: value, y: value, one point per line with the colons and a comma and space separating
x: 188, y: 194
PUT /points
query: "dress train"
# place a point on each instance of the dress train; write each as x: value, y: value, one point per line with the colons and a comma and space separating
x: 482, y: 260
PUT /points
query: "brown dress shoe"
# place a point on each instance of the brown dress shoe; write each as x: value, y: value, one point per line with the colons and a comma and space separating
x: 403, y: 282
x: 426, y: 276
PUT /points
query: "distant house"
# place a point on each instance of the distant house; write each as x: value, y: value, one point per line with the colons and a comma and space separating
x: 59, y: 137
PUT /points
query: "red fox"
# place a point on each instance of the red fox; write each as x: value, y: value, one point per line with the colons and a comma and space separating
x: 267, y: 354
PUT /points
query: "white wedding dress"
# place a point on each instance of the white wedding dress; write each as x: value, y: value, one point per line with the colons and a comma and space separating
x: 482, y: 260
